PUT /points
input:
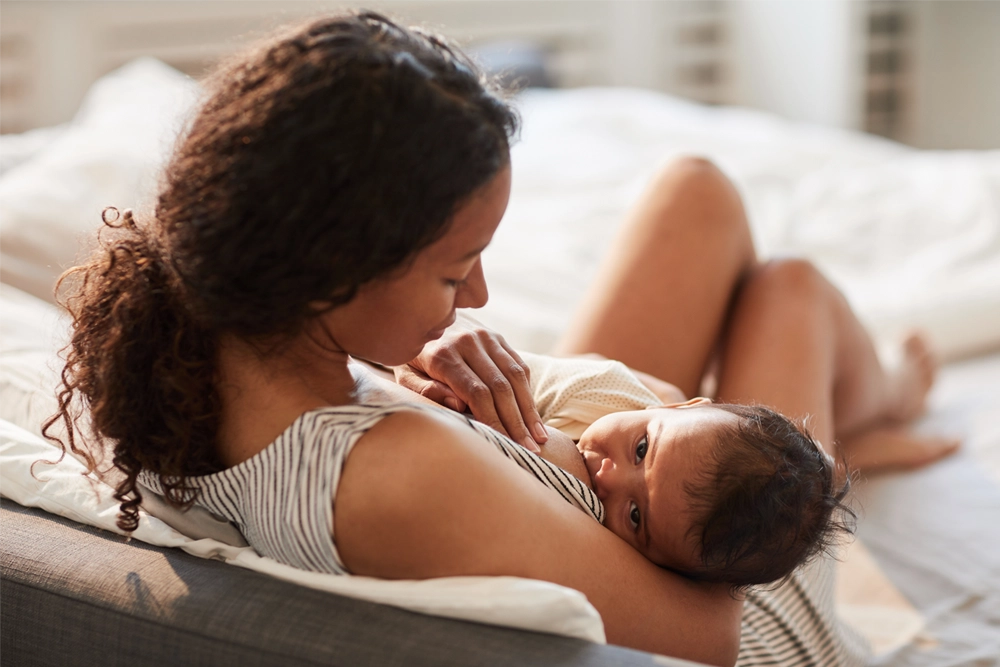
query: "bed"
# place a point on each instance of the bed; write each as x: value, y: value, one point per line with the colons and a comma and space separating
x: 912, y: 238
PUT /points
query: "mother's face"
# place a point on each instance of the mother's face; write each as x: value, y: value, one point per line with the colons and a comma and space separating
x: 392, y: 318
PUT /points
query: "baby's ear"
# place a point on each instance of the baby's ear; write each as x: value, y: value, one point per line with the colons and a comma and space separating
x: 697, y: 400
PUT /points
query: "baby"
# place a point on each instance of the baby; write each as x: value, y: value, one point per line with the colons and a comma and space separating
x: 727, y: 493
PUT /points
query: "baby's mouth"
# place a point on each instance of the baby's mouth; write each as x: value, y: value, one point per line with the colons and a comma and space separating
x: 593, y: 462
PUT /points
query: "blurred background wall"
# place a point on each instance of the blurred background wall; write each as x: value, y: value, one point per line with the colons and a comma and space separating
x: 926, y: 73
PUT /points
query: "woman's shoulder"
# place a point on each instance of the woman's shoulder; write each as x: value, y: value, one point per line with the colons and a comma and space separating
x: 338, y: 428
x: 355, y: 421
x: 413, y: 479
x: 297, y: 477
x: 359, y: 418
x: 316, y: 433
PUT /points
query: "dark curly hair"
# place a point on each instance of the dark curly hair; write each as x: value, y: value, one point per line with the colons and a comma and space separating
x: 771, y: 503
x: 321, y: 159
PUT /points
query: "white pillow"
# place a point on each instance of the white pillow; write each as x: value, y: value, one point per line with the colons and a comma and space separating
x: 31, y: 331
x: 110, y: 155
x: 63, y: 489
x: 17, y: 149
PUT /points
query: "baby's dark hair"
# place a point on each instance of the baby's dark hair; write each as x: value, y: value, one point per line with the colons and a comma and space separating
x: 771, y: 503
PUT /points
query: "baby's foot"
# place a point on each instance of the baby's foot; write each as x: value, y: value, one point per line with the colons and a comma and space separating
x: 911, y: 379
x: 894, y: 448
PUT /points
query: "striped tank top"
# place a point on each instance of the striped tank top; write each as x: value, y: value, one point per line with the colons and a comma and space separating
x: 282, y: 498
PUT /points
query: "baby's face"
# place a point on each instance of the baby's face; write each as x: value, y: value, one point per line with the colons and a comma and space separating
x: 639, y: 463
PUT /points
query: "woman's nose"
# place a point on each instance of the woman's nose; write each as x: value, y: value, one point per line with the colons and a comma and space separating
x: 473, y: 293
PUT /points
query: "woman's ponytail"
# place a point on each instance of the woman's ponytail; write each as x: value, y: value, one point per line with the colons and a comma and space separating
x: 320, y: 160
x: 140, y: 366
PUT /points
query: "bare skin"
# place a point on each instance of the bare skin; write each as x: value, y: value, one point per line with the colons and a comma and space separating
x: 791, y: 326
x: 912, y: 378
x: 422, y: 496
x: 784, y: 336
x: 888, y: 444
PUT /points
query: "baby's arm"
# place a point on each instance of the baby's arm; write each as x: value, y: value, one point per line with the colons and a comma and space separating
x: 666, y: 392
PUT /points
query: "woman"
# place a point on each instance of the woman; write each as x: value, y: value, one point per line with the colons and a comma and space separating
x: 329, y: 203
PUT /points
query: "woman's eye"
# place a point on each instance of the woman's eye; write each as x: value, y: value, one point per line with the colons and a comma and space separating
x: 641, y: 449
x: 634, y: 516
x: 454, y: 283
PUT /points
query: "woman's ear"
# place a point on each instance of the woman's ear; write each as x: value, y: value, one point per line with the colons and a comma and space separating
x: 697, y: 400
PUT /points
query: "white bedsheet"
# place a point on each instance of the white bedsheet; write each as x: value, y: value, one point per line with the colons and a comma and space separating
x: 912, y: 237
x: 935, y: 532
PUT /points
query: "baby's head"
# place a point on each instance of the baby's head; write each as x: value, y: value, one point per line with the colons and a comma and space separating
x: 728, y: 493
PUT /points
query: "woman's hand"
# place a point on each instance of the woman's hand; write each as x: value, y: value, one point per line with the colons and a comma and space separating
x: 471, y: 367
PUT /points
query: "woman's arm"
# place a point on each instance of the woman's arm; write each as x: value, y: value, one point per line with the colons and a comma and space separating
x: 421, y: 497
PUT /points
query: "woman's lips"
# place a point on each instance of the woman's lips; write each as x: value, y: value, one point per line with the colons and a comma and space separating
x: 437, y: 333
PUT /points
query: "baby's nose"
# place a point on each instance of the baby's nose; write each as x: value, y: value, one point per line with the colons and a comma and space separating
x: 604, y: 480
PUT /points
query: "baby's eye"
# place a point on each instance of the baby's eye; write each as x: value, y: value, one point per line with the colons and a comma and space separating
x: 634, y: 516
x: 640, y: 449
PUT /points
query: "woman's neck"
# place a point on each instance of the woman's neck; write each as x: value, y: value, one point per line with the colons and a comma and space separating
x: 262, y: 394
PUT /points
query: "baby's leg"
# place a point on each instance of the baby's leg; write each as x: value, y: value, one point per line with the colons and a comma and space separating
x: 661, y: 297
x: 795, y: 345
